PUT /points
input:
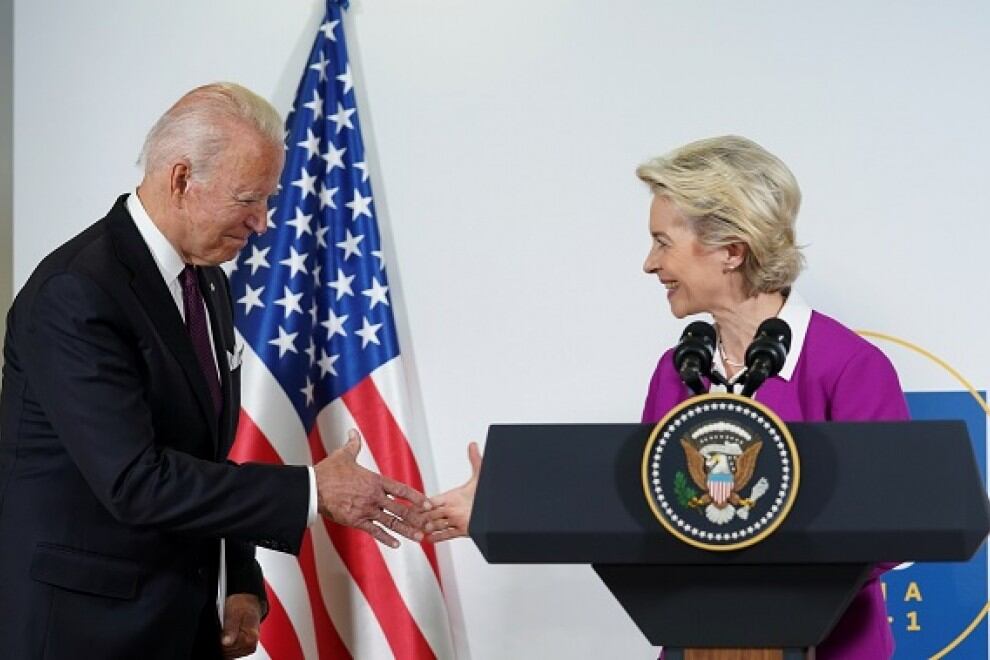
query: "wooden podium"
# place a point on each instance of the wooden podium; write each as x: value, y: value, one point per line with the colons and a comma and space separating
x: 870, y: 492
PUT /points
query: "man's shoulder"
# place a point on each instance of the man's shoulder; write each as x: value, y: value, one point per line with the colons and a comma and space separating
x: 89, y: 252
x: 90, y: 256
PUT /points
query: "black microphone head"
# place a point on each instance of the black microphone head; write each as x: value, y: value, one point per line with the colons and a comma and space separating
x: 697, y: 341
x: 778, y: 329
x: 701, y: 330
x: 771, y: 343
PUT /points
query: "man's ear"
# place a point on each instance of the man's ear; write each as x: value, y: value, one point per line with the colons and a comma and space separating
x: 179, y: 182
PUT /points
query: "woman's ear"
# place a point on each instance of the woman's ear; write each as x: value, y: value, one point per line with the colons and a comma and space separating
x: 735, y: 254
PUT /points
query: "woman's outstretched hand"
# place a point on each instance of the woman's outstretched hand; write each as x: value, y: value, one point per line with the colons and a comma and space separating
x: 449, y: 513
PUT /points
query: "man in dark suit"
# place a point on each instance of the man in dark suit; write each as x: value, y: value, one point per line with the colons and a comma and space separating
x: 120, y: 402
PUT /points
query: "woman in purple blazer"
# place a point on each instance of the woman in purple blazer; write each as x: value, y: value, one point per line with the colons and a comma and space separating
x: 722, y: 222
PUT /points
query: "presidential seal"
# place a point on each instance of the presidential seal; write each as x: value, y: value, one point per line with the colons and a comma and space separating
x: 721, y: 472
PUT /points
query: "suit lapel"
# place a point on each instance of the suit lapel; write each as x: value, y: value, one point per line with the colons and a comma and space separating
x: 154, y: 296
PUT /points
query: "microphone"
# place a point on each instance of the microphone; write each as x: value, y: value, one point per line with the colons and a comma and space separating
x: 766, y: 355
x: 693, y: 355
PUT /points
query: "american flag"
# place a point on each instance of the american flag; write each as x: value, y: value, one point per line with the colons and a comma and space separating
x: 321, y: 356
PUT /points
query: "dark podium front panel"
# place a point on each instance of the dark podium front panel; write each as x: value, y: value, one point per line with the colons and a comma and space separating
x: 870, y: 492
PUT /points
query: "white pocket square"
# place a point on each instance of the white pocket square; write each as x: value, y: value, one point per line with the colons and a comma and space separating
x: 234, y: 359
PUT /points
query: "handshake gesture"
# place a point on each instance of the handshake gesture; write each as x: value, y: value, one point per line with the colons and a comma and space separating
x: 351, y: 495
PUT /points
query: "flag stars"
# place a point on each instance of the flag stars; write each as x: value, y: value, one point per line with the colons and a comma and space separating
x: 346, y: 78
x: 350, y: 245
x: 313, y: 312
x: 342, y: 285
x: 376, y: 294
x: 251, y: 298
x: 334, y: 157
x: 363, y: 167
x: 368, y: 333
x: 311, y: 144
x: 326, y: 363
x: 307, y: 391
x: 316, y: 105
x: 286, y: 342
x: 320, y: 66
x: 326, y: 198
x: 290, y: 301
x: 327, y: 29
x: 359, y: 205
x: 334, y: 324
x: 271, y: 217
x: 296, y: 262
x: 342, y: 118
x: 381, y: 258
x: 321, y: 235
x: 311, y: 351
x: 306, y: 183
x: 258, y: 258
x: 300, y: 223
x: 317, y: 282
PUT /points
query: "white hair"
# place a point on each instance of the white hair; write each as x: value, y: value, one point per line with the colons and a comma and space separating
x: 201, y: 123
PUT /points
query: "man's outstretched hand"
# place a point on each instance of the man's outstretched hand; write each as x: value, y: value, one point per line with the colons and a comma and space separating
x: 351, y: 495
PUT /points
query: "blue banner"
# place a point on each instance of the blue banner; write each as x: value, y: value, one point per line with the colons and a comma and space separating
x: 939, y: 610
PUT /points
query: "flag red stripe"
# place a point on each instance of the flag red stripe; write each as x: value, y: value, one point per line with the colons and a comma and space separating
x: 387, y: 443
x: 252, y: 445
x: 328, y: 641
x: 277, y: 634
x: 362, y: 556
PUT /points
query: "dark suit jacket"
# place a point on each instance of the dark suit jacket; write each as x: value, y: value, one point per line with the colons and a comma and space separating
x: 114, y: 491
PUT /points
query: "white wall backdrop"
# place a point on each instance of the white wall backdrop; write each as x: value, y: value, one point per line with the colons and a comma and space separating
x: 505, y: 135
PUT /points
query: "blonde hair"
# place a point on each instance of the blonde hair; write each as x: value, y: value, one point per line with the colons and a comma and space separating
x: 201, y: 124
x: 732, y: 190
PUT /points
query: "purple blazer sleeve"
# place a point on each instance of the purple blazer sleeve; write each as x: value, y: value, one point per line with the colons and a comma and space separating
x: 666, y: 390
x: 868, y: 390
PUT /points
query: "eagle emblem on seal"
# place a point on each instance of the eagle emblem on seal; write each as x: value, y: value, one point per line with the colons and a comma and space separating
x: 722, y: 469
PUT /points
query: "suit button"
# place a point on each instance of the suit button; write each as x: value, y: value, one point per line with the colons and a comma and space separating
x: 201, y: 572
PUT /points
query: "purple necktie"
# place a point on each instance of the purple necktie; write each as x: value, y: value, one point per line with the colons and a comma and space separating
x: 192, y: 302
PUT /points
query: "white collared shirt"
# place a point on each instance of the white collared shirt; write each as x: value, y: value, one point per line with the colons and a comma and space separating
x: 797, y: 315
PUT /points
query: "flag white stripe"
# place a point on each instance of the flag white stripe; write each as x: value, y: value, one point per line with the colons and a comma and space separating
x: 270, y: 409
x: 411, y: 572
x: 259, y: 654
x: 349, y: 610
x: 266, y: 403
x: 284, y: 576
x: 351, y: 613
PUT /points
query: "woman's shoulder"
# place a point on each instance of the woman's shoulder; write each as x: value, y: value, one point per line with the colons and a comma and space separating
x: 832, y: 345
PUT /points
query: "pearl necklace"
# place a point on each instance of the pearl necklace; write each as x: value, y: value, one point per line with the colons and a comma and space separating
x: 725, y: 357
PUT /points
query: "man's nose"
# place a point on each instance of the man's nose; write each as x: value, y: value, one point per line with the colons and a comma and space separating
x: 258, y: 221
